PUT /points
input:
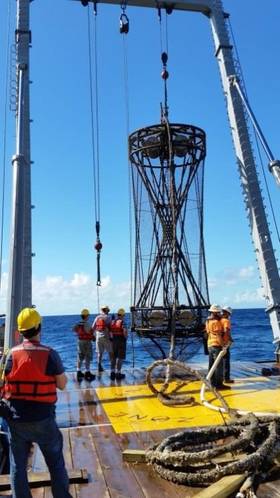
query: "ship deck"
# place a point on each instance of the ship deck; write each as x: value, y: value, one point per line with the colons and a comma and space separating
x: 101, y: 419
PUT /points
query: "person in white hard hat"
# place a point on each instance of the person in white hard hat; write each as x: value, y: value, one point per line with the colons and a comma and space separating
x: 215, y: 331
x: 226, y: 322
x: 101, y: 326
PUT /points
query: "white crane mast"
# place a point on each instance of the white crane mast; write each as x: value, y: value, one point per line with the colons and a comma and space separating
x: 19, y: 293
x: 20, y: 281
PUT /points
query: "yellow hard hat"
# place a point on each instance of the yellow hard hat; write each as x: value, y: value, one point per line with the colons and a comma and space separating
x: 27, y: 319
x: 85, y: 312
x: 121, y: 311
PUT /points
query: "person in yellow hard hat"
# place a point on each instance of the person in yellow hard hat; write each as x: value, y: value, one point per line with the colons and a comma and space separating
x: 85, y: 337
x: 33, y: 372
x: 118, y: 330
x: 101, y: 326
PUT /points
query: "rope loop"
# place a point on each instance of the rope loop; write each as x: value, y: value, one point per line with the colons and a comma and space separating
x: 169, y: 395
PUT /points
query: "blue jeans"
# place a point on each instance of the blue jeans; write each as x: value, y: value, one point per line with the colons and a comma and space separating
x: 47, y: 435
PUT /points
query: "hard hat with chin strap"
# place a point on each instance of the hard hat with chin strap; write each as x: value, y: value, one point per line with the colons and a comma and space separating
x: 121, y: 312
x: 28, y: 319
x: 215, y: 308
x: 85, y: 312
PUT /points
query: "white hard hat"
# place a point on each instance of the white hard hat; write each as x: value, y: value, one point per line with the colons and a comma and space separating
x: 104, y: 307
x: 215, y: 308
x: 228, y: 309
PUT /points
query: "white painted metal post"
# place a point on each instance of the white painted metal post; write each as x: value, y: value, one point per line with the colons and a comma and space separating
x: 247, y: 168
x: 20, y: 270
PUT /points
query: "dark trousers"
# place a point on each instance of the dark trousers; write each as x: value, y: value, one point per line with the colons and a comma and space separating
x: 217, y: 377
x: 227, y: 365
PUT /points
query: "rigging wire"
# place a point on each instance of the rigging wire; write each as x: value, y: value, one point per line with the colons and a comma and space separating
x: 94, y: 116
x: 257, y: 140
x: 4, y: 145
x: 127, y: 121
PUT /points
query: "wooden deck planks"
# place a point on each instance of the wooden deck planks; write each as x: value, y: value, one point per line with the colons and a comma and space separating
x: 84, y: 454
x: 94, y: 445
x: 119, y: 478
x: 269, y: 490
x: 151, y: 484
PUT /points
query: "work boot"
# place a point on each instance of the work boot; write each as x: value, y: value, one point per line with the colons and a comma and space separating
x: 229, y: 381
x: 222, y: 387
x: 120, y: 376
x: 100, y: 368
x: 89, y: 376
x: 80, y: 375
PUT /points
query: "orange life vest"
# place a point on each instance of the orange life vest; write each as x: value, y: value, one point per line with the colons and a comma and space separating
x: 82, y: 333
x: 100, y: 324
x: 117, y: 328
x: 27, y: 379
x: 226, y: 327
x: 215, y: 331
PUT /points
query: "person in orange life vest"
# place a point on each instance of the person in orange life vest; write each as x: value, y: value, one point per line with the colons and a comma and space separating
x: 215, y: 331
x: 101, y: 326
x: 85, y: 337
x: 226, y: 314
x: 118, y: 331
x: 33, y: 372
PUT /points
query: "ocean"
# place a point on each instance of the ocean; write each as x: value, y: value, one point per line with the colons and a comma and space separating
x: 251, y: 331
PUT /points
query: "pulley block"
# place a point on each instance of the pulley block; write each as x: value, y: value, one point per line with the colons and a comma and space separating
x: 124, y: 24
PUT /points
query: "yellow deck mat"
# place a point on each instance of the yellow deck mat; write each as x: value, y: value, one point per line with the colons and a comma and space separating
x: 135, y: 408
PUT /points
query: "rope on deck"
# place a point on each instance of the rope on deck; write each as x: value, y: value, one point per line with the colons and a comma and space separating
x: 189, y: 456
x: 169, y: 395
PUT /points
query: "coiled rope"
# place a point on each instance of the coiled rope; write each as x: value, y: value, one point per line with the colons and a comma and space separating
x: 195, y: 456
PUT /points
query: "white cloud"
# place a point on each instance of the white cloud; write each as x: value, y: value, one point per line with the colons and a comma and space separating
x: 249, y: 296
x: 55, y: 295
x: 237, y: 286
x: 213, y: 282
x: 246, y: 273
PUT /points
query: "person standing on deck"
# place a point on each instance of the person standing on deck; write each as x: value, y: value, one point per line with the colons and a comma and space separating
x: 101, y: 326
x: 226, y: 314
x: 118, y: 331
x: 33, y: 373
x: 215, y: 331
x: 85, y: 337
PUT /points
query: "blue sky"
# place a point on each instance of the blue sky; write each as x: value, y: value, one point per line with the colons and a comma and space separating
x: 64, y: 269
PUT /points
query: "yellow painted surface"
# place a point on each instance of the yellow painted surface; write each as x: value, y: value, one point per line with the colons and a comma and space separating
x: 136, y: 408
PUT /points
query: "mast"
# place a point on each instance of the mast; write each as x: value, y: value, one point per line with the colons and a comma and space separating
x: 19, y: 293
x: 247, y: 169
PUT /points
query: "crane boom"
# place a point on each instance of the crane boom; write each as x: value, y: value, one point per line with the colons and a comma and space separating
x: 261, y: 236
